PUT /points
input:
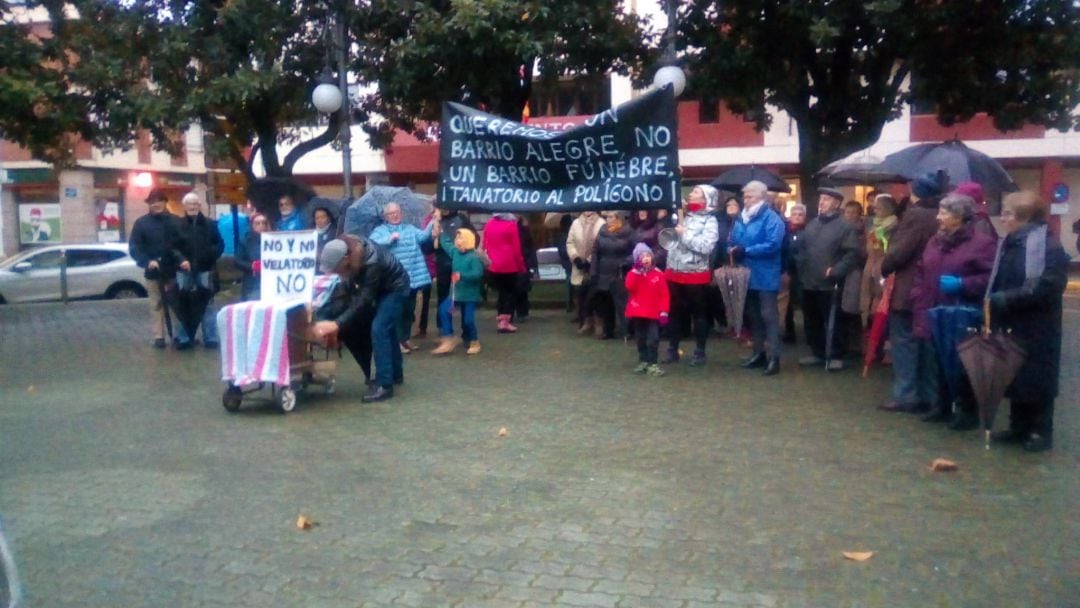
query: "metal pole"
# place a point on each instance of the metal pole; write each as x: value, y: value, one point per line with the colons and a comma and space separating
x: 63, y: 276
x: 346, y: 105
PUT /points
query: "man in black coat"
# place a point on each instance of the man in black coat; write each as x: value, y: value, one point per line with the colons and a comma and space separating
x: 1026, y: 301
x: 378, y: 286
x: 198, y: 249
x: 153, y: 239
x: 827, y: 253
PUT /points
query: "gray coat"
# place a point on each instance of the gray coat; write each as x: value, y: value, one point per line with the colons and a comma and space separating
x: 827, y: 242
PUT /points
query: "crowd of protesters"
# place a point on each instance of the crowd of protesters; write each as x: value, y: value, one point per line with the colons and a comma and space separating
x: 651, y: 276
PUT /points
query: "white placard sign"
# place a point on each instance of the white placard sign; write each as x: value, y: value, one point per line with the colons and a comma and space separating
x: 288, y: 261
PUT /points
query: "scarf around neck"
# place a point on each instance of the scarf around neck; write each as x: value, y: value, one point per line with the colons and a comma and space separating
x: 750, y: 212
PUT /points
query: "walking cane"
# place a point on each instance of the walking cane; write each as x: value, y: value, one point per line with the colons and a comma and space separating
x: 165, y: 305
x: 830, y: 328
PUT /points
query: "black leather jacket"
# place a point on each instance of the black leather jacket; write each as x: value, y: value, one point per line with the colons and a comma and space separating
x: 380, y: 274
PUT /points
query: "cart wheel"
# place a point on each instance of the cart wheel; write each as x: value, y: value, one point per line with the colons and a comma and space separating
x: 286, y: 399
x: 331, y: 386
x: 231, y: 398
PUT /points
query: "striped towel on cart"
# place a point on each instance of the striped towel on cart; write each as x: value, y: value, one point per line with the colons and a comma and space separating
x: 254, y: 342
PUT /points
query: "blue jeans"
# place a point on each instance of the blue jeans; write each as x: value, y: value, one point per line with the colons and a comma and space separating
x: 468, y: 319
x: 915, y: 366
x: 384, y: 338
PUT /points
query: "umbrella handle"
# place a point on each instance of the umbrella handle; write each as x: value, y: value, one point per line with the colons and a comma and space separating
x: 986, y: 317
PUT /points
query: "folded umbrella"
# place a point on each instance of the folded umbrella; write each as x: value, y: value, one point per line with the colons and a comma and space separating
x: 991, y: 360
x: 879, y: 324
x: 733, y: 281
x: 948, y: 326
x: 830, y: 328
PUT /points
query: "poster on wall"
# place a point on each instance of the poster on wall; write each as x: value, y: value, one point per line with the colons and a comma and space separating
x: 108, y: 222
x: 39, y: 223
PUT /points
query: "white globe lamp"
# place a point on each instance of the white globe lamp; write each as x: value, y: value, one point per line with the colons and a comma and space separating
x: 673, y: 75
x: 327, y: 98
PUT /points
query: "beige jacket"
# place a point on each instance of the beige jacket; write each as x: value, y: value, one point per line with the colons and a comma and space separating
x: 579, y: 243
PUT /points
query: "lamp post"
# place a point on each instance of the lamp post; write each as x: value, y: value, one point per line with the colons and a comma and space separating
x: 329, y: 98
x: 670, y: 72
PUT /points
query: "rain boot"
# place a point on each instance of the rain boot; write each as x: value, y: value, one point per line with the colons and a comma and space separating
x: 504, y: 325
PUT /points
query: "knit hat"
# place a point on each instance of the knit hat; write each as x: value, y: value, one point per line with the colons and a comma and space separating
x: 467, y: 238
x: 926, y: 186
x: 639, y: 250
x: 972, y: 189
x: 332, y: 254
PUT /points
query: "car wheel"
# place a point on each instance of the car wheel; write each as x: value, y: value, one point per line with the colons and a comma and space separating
x: 125, y: 291
x: 232, y: 398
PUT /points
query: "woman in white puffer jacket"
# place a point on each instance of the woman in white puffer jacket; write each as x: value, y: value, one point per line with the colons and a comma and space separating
x: 688, y: 273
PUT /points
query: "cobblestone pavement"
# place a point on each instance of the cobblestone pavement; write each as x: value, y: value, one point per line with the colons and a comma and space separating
x: 124, y: 482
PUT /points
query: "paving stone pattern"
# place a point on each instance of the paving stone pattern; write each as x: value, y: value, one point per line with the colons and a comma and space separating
x: 124, y: 483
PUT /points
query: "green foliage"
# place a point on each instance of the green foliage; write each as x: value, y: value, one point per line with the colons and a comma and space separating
x: 838, y: 66
x: 487, y: 52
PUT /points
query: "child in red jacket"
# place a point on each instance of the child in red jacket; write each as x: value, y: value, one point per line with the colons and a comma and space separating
x: 647, y: 309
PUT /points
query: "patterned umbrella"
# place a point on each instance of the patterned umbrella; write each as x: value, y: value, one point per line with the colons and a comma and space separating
x: 733, y: 282
x: 365, y: 213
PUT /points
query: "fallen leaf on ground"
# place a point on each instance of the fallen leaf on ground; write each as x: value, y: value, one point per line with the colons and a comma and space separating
x: 503, y: 432
x: 31, y: 388
x: 858, y: 556
x: 305, y: 523
x: 942, y: 464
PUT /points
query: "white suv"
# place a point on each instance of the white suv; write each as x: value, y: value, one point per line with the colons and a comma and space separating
x: 93, y: 271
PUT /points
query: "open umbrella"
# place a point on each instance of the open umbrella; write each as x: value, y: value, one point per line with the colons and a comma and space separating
x: 265, y: 192
x: 733, y: 282
x: 859, y: 168
x: 365, y: 213
x: 991, y: 361
x: 949, y: 325
x: 188, y: 297
x: 959, y: 162
x: 879, y: 323
x: 733, y: 180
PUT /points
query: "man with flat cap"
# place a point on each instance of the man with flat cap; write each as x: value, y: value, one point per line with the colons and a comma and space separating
x: 377, y: 286
x: 828, y: 251
x: 152, y: 244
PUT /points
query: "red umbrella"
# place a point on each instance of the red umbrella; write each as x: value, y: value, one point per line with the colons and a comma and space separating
x: 878, y: 324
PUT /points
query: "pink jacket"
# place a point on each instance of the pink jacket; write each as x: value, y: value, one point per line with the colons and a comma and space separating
x: 503, y: 245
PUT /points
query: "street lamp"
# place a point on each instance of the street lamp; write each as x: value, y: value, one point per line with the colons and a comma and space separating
x: 670, y: 73
x: 329, y: 98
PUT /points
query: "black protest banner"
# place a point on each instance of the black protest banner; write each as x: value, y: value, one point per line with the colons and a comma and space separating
x: 623, y: 158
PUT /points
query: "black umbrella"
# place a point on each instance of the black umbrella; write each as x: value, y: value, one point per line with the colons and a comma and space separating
x: 336, y: 207
x: 859, y: 168
x: 264, y: 194
x: 189, y: 296
x: 959, y: 162
x: 734, y: 179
